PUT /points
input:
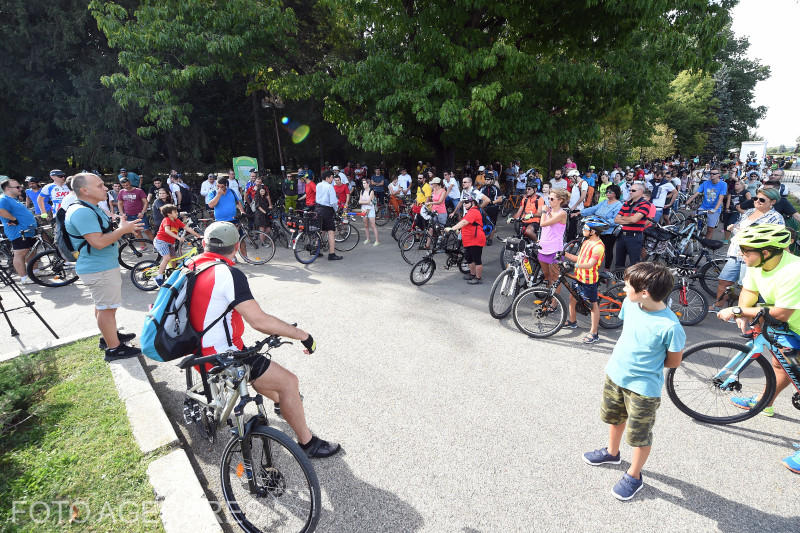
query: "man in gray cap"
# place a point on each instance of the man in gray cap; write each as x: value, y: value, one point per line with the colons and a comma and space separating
x: 227, y: 292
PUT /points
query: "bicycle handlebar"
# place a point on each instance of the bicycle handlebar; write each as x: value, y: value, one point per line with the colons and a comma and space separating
x: 226, y: 359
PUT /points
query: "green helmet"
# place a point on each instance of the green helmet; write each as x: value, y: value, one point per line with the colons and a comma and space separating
x: 765, y: 236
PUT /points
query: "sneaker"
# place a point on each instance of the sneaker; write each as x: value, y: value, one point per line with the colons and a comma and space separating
x: 366, y: 242
x: 319, y: 449
x: 714, y: 309
x: 601, y: 457
x: 25, y: 280
x: 376, y: 243
x: 793, y: 462
x: 334, y: 257
x: 488, y: 242
x: 468, y: 276
x: 159, y: 280
x: 591, y: 338
x: 749, y: 403
x: 475, y: 281
x: 571, y: 325
x: 123, y: 351
x: 627, y: 487
x: 123, y: 338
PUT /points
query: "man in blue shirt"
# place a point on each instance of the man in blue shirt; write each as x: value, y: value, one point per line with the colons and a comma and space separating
x: 133, y: 177
x: 713, y: 192
x: 379, y: 185
x: 224, y: 202
x: 91, y: 235
x: 18, y: 224
x: 32, y: 193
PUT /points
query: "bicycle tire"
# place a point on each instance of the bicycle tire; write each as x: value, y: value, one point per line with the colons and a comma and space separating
x: 502, y: 294
x: 506, y: 257
x: 463, y: 266
x: 142, y: 275
x: 759, y: 379
x: 136, y: 250
x: 256, y: 247
x: 411, y: 247
x: 382, y: 215
x: 422, y: 271
x: 350, y: 241
x: 693, y: 311
x: 307, y: 247
x: 276, y: 461
x: 709, y: 275
x: 400, y: 226
x: 535, y: 303
x: 49, y: 269
x: 609, y: 310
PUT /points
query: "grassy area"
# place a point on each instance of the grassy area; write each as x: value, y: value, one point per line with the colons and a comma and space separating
x: 72, y: 463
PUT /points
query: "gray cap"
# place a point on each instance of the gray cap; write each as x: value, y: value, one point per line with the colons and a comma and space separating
x: 221, y: 234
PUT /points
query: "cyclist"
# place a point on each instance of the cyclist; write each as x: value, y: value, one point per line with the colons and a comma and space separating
x: 530, y: 212
x: 50, y: 198
x: 587, y: 274
x: 225, y: 289
x: 774, y: 275
x: 19, y: 226
x: 167, y: 234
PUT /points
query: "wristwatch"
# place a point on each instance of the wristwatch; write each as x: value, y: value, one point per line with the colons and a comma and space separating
x: 737, y: 311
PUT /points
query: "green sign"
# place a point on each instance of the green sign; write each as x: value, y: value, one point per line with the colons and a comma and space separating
x: 242, y: 166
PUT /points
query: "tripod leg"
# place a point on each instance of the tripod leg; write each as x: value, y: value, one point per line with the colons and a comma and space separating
x: 14, y: 332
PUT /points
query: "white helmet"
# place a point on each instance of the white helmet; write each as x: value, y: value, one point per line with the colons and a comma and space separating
x: 481, y: 168
x: 573, y: 172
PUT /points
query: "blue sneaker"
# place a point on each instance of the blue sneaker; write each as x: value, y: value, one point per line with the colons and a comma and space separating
x: 571, y: 325
x: 749, y: 403
x: 601, y: 457
x: 627, y: 487
x: 793, y: 462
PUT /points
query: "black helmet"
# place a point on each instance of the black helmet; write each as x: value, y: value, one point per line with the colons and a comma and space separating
x: 531, y: 184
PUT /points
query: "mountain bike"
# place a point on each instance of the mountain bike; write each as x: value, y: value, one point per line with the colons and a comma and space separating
x: 268, y: 482
x: 143, y: 274
x: 511, y: 204
x: 523, y: 271
x: 688, y: 304
x: 712, y: 372
x: 540, y: 312
x: 44, y: 265
x: 255, y: 246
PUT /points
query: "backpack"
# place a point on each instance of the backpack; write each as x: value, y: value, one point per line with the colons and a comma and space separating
x: 186, y: 199
x: 62, y: 237
x: 167, y: 333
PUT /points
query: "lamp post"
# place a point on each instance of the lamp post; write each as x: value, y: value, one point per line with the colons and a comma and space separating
x: 275, y: 103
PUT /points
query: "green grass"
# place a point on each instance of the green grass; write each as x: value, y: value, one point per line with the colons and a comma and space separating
x: 75, y: 453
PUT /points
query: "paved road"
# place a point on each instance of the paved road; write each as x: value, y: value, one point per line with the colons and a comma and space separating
x: 455, y: 422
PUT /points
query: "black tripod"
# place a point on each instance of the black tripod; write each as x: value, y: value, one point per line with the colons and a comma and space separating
x: 8, y: 281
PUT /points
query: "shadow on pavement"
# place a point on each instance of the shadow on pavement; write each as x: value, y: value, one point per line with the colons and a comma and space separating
x: 753, y: 434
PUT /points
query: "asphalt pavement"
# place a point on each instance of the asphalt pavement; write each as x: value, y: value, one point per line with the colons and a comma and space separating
x: 452, y: 421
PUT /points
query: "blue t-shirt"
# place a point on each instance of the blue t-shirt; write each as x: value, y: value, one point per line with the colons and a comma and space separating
x: 25, y: 220
x: 225, y: 210
x: 378, y: 180
x: 80, y: 220
x: 33, y: 196
x: 637, y: 362
x: 590, y: 179
x: 711, y: 193
x: 133, y: 177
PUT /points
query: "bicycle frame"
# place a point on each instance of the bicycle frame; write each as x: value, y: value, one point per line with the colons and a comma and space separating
x: 759, y: 346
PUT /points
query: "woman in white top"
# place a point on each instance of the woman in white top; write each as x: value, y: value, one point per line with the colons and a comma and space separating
x: 450, y: 183
x: 367, y: 202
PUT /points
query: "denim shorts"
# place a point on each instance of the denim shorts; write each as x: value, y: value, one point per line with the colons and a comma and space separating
x: 587, y: 290
x: 713, y: 218
x: 733, y: 270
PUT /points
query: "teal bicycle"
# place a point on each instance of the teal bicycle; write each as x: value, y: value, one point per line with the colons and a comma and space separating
x: 713, y: 372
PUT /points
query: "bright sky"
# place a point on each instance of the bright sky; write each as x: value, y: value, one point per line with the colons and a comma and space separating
x: 769, y: 25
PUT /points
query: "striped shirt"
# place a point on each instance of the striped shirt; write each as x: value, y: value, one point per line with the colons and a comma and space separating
x: 630, y: 209
x: 590, y: 249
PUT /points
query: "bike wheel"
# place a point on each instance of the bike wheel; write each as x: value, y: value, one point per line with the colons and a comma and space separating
x: 695, y: 390
x: 610, y: 303
x: 256, y: 247
x: 463, y: 266
x: 538, y: 314
x: 690, y: 307
x: 400, y: 226
x: 48, y: 268
x: 382, y: 215
x: 143, y: 275
x: 502, y: 295
x: 307, y: 247
x: 286, y: 494
x: 136, y: 250
x: 709, y: 275
x: 506, y: 257
x: 422, y: 271
x: 347, y: 237
x: 414, y: 247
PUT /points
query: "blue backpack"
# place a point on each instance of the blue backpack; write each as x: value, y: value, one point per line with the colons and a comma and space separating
x: 167, y: 333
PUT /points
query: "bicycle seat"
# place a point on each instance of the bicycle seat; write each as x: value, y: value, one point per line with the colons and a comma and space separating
x: 712, y: 244
x: 187, y: 362
x: 605, y: 276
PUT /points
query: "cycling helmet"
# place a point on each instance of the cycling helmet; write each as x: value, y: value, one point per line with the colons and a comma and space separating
x: 573, y: 172
x: 596, y: 223
x: 531, y: 184
x: 32, y: 179
x: 765, y: 236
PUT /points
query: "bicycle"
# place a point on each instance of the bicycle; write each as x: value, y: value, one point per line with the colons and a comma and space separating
x: 688, y: 304
x: 44, y: 264
x: 511, y: 204
x: 540, y: 312
x: 423, y: 270
x: 133, y: 251
x: 712, y: 372
x: 522, y: 271
x: 255, y: 246
x: 309, y: 240
x: 267, y: 480
x: 143, y: 274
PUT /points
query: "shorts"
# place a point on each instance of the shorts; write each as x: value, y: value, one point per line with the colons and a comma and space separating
x: 325, y: 218
x: 23, y: 243
x: 620, y: 405
x: 473, y: 254
x: 164, y: 248
x: 258, y: 363
x: 105, y: 288
x: 729, y: 218
x: 713, y: 218
x: 547, y: 258
x: 587, y: 290
x: 733, y: 270
x: 145, y: 223
x: 442, y: 218
x: 368, y: 210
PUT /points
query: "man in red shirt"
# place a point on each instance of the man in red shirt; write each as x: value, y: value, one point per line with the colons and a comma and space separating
x: 224, y: 290
x: 473, y: 238
x: 311, y: 191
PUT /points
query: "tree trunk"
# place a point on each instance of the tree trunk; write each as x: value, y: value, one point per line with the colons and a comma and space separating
x: 262, y: 162
x: 549, y: 163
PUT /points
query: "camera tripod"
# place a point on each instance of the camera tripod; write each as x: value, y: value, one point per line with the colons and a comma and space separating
x: 8, y: 281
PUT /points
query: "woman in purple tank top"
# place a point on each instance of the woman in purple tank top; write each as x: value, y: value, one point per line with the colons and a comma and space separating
x: 554, y: 222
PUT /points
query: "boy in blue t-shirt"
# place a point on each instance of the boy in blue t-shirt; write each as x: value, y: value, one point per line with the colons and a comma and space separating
x: 652, y: 338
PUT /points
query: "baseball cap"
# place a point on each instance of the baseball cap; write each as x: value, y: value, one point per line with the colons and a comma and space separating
x: 212, y: 175
x: 56, y: 172
x: 32, y: 179
x: 221, y: 234
x: 123, y: 170
x: 4, y: 179
x: 436, y: 180
x: 335, y: 167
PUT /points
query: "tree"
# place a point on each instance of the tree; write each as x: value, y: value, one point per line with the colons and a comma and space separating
x: 467, y: 74
x: 688, y: 110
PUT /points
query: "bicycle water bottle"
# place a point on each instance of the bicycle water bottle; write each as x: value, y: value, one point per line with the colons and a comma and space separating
x: 528, y: 267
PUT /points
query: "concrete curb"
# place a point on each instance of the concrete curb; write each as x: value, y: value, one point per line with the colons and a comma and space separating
x: 54, y: 343
x: 183, y: 503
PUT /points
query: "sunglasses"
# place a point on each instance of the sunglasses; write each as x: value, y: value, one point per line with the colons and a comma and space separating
x: 761, y: 200
x: 748, y: 250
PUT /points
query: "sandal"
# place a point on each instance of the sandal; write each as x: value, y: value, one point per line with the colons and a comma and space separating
x: 591, y: 338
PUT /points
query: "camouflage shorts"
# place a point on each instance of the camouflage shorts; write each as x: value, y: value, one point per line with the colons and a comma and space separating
x: 620, y: 405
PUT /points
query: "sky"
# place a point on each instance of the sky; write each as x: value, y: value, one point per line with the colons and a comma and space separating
x: 768, y: 24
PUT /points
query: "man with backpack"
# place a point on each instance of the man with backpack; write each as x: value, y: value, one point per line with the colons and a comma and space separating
x: 90, y: 235
x: 530, y: 212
